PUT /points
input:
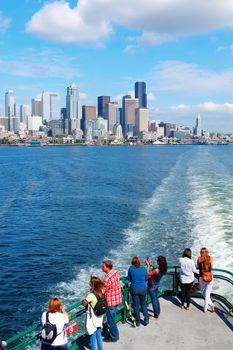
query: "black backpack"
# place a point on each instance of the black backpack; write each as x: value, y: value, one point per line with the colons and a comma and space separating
x: 49, y: 331
x: 100, y: 306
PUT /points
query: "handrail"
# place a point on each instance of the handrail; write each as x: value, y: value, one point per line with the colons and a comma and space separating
x: 32, y: 334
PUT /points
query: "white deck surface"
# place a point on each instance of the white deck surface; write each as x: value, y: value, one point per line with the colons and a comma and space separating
x: 178, y: 329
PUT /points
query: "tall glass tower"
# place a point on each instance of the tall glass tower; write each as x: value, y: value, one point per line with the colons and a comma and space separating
x: 140, y: 93
x: 10, y: 108
x: 102, y: 106
x: 72, y: 102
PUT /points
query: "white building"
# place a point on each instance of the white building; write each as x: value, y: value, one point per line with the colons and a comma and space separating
x: 100, y: 128
x: 112, y: 113
x: 50, y: 108
x: 72, y: 102
x: 117, y: 131
x: 25, y: 111
x: 10, y: 106
x: 34, y: 122
x: 141, y: 120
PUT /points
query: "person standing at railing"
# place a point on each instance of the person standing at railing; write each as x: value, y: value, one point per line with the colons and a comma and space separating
x: 113, y: 297
x: 154, y: 277
x: 94, y: 320
x: 187, y: 270
x: 205, y: 265
x: 138, y: 277
x: 54, y: 326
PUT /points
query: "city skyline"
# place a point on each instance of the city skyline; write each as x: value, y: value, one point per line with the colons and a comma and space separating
x: 185, y: 59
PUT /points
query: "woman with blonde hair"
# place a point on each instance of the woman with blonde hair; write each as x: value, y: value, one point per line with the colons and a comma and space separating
x: 54, y: 326
x: 205, y: 264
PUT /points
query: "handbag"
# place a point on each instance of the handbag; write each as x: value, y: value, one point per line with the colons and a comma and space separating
x: 207, y: 276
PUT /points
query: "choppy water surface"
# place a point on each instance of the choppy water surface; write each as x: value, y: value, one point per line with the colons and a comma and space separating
x: 64, y: 209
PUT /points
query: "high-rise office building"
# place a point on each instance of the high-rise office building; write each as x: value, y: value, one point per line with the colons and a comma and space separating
x: 10, y: 106
x: 140, y: 93
x: 72, y: 102
x: 25, y: 111
x: 141, y: 121
x: 129, y: 107
x: 198, y: 127
x: 37, y: 106
x: 88, y: 118
x: 88, y: 112
x: 112, y: 115
x: 122, y: 112
x: 50, y: 108
x: 102, y: 106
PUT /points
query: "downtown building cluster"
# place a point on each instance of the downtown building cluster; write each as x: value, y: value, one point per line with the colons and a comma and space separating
x: 90, y: 123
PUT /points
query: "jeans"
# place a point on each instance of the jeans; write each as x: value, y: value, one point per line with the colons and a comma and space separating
x: 47, y: 346
x: 111, y: 313
x: 139, y: 299
x: 206, y: 289
x: 186, y: 289
x: 96, y: 338
x: 154, y: 301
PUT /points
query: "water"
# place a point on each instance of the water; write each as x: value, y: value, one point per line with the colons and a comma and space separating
x: 65, y: 209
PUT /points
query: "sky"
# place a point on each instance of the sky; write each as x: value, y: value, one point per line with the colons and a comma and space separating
x: 182, y: 49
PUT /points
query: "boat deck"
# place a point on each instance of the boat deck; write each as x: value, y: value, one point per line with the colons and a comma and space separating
x: 178, y: 329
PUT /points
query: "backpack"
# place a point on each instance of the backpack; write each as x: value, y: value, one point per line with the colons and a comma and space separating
x: 100, y: 306
x: 49, y: 331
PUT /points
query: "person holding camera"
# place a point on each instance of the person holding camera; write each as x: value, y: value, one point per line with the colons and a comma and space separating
x: 53, y: 335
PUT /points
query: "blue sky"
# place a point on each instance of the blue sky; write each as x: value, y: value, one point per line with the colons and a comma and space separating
x: 182, y: 49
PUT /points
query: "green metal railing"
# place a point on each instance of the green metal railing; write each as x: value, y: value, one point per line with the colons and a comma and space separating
x: 30, y: 338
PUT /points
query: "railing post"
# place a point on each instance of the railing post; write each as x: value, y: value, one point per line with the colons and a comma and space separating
x: 125, y: 299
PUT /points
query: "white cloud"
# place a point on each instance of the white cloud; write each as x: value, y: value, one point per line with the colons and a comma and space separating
x: 151, y: 97
x: 178, y: 77
x: 4, y: 23
x: 156, y: 21
x: 46, y: 63
x: 83, y: 96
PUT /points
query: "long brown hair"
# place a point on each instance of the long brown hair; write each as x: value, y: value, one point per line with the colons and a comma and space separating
x: 97, y: 286
x: 206, y: 259
x: 162, y: 262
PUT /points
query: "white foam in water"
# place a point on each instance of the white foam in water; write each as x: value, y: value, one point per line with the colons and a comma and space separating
x: 195, y: 198
x: 140, y: 238
x: 210, y: 211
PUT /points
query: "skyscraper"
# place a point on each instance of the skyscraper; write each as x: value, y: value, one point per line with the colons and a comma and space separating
x: 72, y: 102
x: 141, y: 121
x: 88, y: 119
x: 129, y: 106
x: 112, y: 115
x: 50, y: 109
x: 102, y: 106
x: 25, y: 111
x: 198, y: 127
x: 37, y: 106
x: 140, y: 93
x: 10, y: 106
